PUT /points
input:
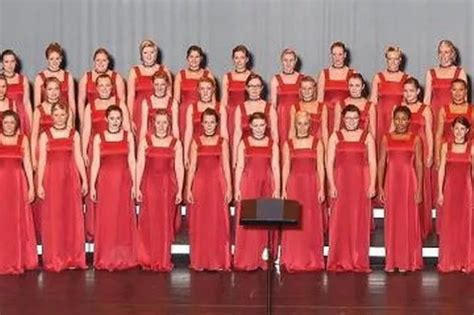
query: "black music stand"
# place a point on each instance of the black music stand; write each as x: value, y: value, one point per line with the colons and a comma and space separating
x: 269, y: 213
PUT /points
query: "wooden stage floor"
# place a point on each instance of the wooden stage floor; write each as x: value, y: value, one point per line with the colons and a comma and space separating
x: 187, y: 292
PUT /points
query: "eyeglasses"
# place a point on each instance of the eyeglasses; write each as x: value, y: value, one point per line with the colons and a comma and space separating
x: 352, y: 118
x: 254, y: 86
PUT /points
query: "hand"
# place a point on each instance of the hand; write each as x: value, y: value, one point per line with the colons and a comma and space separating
x: 93, y: 194
x: 237, y: 195
x: 133, y: 193
x: 186, y: 162
x: 85, y: 157
x: 381, y: 195
x: 437, y: 162
x: 332, y: 192
x: 189, y: 196
x: 31, y: 195
x: 321, y: 195
x: 228, y: 197
x: 418, y: 196
x: 139, y: 195
x: 275, y: 194
x: 371, y: 192
x: 84, y: 188
x: 178, y: 199
x: 34, y: 165
x: 284, y: 194
x: 429, y: 161
x: 440, y: 199
x: 40, y: 192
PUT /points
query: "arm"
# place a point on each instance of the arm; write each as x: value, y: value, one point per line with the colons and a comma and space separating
x: 37, y: 90
x: 86, y: 134
x: 126, y: 118
x: 324, y: 126
x: 179, y: 170
x: 372, y: 160
x: 177, y: 87
x: 292, y: 131
x: 276, y: 169
x: 439, y: 136
x: 274, y: 124
x: 120, y: 87
x: 26, y: 100
x: 223, y: 123
x: 462, y: 75
x: 81, y: 98
x: 80, y: 163
x: 226, y: 168
x: 34, y: 137
x: 28, y: 169
x: 285, y: 169
x: 188, y: 134
x: 273, y: 92
x: 428, y: 88
x: 374, y: 96
x: 372, y: 120
x: 225, y: 91
x: 191, y: 171
x: 174, y: 119
x: 330, y: 165
x: 131, y: 93
x: 237, y: 136
x: 132, y: 163
x: 239, y: 170
x: 442, y: 173
x: 144, y: 127
x: 41, y: 164
x: 71, y: 95
x: 169, y: 92
x: 321, y: 82
x: 337, y: 116
x: 429, y: 136
x: 419, y: 170
x: 381, y: 168
x: 141, y: 157
x: 70, y: 119
x: 320, y: 170
x: 95, y: 166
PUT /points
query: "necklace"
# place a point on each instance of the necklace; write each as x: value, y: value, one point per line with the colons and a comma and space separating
x: 210, y: 135
x: 114, y: 132
x: 9, y: 135
x: 288, y: 73
x: 391, y: 71
x: 338, y: 67
x: 258, y: 138
x: 302, y: 136
x: 54, y: 71
x: 148, y: 66
x: 243, y: 71
x: 9, y: 76
x: 463, y: 141
x: 62, y: 128
x: 194, y: 70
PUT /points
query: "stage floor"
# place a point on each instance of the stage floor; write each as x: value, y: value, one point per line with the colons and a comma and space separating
x: 187, y: 292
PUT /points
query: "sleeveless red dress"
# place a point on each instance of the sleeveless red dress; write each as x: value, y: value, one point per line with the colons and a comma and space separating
x: 302, y: 247
x: 334, y: 91
x: 91, y: 88
x: 441, y: 92
x: 158, y: 210
x: 189, y: 95
x: 62, y: 228
x: 350, y: 219
x: 364, y: 116
x: 455, y: 228
x: 115, y: 219
x: 315, y: 128
x: 402, y: 214
x: 450, y: 117
x: 152, y: 111
x: 17, y: 234
x: 287, y: 96
x: 197, y: 128
x: 64, y: 88
x: 390, y: 95
x: 16, y: 93
x: 209, y: 247
x: 417, y: 127
x: 256, y: 182
x: 244, y: 119
x: 236, y: 96
x: 143, y: 89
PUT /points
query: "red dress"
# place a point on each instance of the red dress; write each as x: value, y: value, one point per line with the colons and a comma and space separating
x: 15, y: 92
x: 450, y: 117
x: 64, y: 88
x: 287, y: 96
x: 244, y: 119
x: 364, y: 119
x: 315, y: 128
x: 350, y: 219
x: 197, y: 129
x: 390, y: 95
x: 158, y: 210
x: 441, y: 92
x: 189, y: 95
x: 455, y: 229
x: 334, y: 91
x: 62, y: 228
x: 402, y: 218
x: 209, y: 247
x: 236, y: 96
x: 17, y: 234
x: 302, y: 248
x: 115, y: 219
x: 256, y: 182
x: 91, y: 87
x: 152, y: 111
x: 417, y: 127
x: 143, y: 89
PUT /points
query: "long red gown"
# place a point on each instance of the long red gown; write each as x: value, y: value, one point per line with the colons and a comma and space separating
x: 189, y: 95
x: 315, y: 128
x: 455, y: 228
x: 62, y: 228
x: 403, y: 245
x: 143, y: 89
x: 236, y: 96
x: 350, y: 219
x: 91, y: 87
x: 335, y: 91
x: 302, y: 248
x: 158, y: 210
x: 364, y: 119
x: 209, y: 247
x: 417, y: 127
x: 16, y: 93
x: 17, y: 234
x: 115, y: 219
x: 64, y: 88
x: 256, y: 182
x: 441, y: 92
x: 287, y: 96
x: 390, y: 95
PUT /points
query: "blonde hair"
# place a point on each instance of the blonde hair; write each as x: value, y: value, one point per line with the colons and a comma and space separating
x: 392, y: 48
x: 450, y: 44
x: 148, y: 43
x: 289, y: 51
x: 302, y: 114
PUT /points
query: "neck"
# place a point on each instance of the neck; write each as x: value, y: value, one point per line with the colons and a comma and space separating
x: 62, y: 127
x: 288, y: 72
x: 308, y: 100
x: 460, y: 141
x: 8, y: 135
x: 105, y: 98
x: 148, y: 65
x: 240, y: 70
x: 51, y: 70
x: 161, y: 135
x: 459, y: 103
x: 2, y: 98
x: 302, y: 136
x: 9, y: 75
x: 338, y: 67
x: 208, y: 135
x: 392, y: 71
x: 194, y: 69
x: 258, y: 137
x: 446, y: 66
x: 158, y: 96
x: 113, y: 131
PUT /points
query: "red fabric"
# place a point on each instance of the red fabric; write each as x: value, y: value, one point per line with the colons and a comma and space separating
x: 244, y: 119
x: 196, y: 114
x: 287, y: 96
x: 364, y: 116
x: 64, y: 88
x: 450, y: 117
x: 115, y: 220
x: 350, y: 218
x: 257, y: 182
x: 91, y: 88
x: 402, y: 214
x: 15, y: 92
x: 158, y: 211
x: 236, y: 96
x: 62, y: 220
x: 334, y: 91
x: 152, y: 111
x: 17, y: 234
x: 209, y: 247
x: 455, y: 228
x: 302, y: 247
x: 441, y: 92
x: 315, y: 129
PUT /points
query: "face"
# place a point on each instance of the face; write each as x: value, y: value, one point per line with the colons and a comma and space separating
x: 307, y: 91
x: 401, y: 122
x: 52, y: 92
x: 355, y: 87
x: 54, y: 61
x: 458, y: 93
x: 104, y: 87
x: 460, y: 131
x: 160, y: 87
x: 445, y: 55
x: 3, y: 89
x: 161, y: 124
x: 338, y: 57
x: 302, y: 125
x: 194, y: 60
x: 60, y: 117
x: 410, y: 93
x: 240, y: 61
x: 206, y: 90
x: 393, y: 60
x: 351, y: 120
x: 149, y: 55
x: 9, y: 64
x: 288, y: 62
x: 114, y: 120
x: 9, y: 125
x: 258, y: 127
x: 254, y: 89
x: 101, y: 63
x: 209, y: 124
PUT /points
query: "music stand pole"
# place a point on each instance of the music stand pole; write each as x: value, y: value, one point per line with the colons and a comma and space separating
x: 269, y: 271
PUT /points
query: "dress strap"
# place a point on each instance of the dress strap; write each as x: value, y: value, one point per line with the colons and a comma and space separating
x: 42, y: 76
x: 48, y: 133
x: 41, y: 109
x: 89, y: 76
x: 433, y: 73
x: 267, y: 109
x: 169, y: 107
x: 66, y: 78
x: 315, y: 143
x: 363, y: 136
x: 367, y: 107
x: 218, y: 108
x: 93, y: 107
x: 243, y: 111
x: 349, y: 73
x: 10, y: 104
x: 279, y: 79
x: 381, y: 77
x: 125, y: 136
x: 197, y: 138
x: 173, y: 143
x: 246, y: 142
x: 457, y: 72
x: 137, y: 71
x: 195, y: 109
x: 319, y: 108
x: 291, y: 145
x: 21, y: 78
x: 19, y: 139
x: 114, y: 76
x: 220, y: 140
x: 148, y: 140
x: 229, y: 77
x: 149, y: 103
x: 72, y: 132
x: 183, y: 74
x: 447, y: 109
x: 422, y: 109
x: 205, y: 74
x: 270, y: 143
x: 297, y: 107
x: 404, y: 78
x: 340, y: 136
x: 300, y: 77
x: 469, y: 112
x: 102, y: 136
x: 326, y: 74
